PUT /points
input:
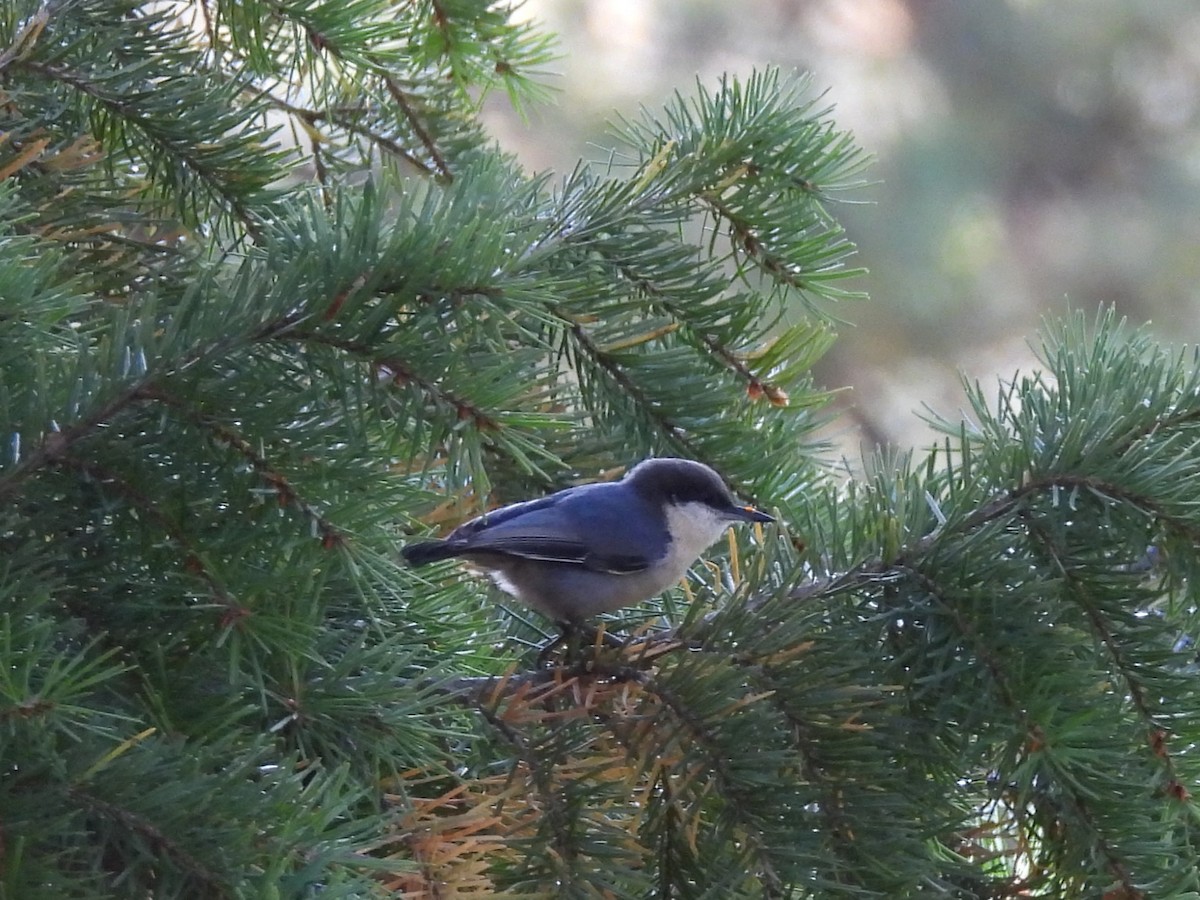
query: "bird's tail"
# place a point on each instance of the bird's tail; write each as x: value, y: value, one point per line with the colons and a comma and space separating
x: 427, y: 552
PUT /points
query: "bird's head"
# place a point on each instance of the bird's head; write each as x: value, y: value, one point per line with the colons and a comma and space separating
x: 697, y: 504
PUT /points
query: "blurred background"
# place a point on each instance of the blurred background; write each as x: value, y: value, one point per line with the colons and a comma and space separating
x: 1029, y: 158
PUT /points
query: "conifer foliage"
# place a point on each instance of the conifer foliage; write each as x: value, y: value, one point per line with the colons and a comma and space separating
x: 273, y: 303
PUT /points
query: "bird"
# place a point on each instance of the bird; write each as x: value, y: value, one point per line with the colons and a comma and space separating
x: 598, y: 547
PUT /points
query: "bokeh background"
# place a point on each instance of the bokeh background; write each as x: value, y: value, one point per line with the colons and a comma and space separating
x: 1029, y: 158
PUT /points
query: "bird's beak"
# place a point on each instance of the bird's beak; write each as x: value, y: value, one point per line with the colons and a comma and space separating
x: 750, y: 514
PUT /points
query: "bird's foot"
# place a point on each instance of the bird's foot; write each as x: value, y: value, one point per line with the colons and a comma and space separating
x: 579, y: 643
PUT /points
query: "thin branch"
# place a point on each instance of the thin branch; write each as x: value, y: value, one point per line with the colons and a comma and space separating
x: 349, y: 121
x: 1156, y: 731
x: 539, y: 763
x: 743, y: 237
x: 56, y: 444
x: 755, y: 386
x: 809, y: 749
x: 128, y: 113
x: 419, y: 130
x: 401, y: 373
x: 271, y: 476
x: 731, y: 791
x: 321, y: 41
x: 162, y: 843
x: 675, y: 434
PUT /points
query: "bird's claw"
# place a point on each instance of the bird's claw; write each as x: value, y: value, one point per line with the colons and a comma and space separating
x: 580, y: 643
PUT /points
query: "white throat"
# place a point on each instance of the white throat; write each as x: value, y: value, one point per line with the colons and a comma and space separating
x: 693, y: 527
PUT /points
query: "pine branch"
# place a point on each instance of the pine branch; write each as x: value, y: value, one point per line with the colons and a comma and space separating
x: 970, y: 677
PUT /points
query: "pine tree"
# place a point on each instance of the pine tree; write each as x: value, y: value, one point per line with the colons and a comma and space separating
x: 272, y: 304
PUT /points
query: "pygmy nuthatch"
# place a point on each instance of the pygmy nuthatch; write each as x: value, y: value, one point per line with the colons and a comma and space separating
x: 598, y: 547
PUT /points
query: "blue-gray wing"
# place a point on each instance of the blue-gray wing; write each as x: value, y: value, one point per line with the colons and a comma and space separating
x: 570, y: 527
